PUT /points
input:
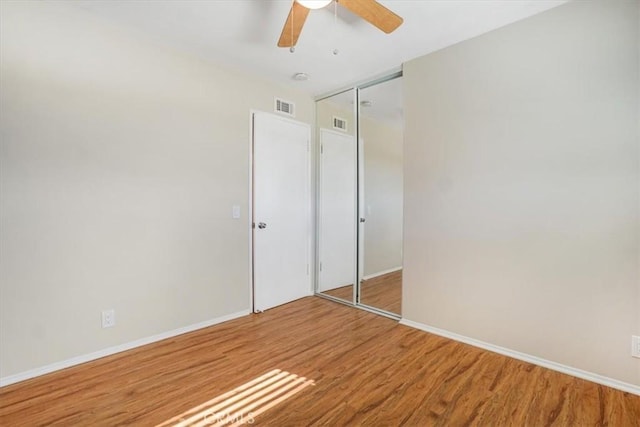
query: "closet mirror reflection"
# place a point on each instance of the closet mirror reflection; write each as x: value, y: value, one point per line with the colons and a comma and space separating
x: 337, y: 196
x: 381, y: 195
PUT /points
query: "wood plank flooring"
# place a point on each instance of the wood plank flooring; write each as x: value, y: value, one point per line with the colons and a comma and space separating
x: 358, y: 369
x: 383, y: 292
x: 343, y: 292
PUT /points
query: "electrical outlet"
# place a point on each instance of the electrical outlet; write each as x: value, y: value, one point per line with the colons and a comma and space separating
x: 635, y: 346
x: 108, y: 318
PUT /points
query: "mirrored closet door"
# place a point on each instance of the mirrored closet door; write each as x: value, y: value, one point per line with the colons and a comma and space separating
x: 360, y: 196
x: 381, y: 195
x: 337, y: 191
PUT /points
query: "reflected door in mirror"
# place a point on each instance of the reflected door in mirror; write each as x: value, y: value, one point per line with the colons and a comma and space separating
x: 337, y: 214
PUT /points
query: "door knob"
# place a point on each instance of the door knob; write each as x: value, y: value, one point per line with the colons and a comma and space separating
x: 262, y: 225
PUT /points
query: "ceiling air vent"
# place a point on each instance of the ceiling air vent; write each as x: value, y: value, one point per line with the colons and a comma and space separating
x: 340, y: 124
x: 285, y: 107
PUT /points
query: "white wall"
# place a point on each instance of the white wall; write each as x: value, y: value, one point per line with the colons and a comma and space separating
x: 120, y: 163
x: 522, y: 209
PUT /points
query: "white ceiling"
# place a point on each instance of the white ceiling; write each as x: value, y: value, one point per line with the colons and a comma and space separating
x: 244, y: 33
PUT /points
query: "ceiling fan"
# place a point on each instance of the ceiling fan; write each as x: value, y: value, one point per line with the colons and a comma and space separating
x: 369, y: 10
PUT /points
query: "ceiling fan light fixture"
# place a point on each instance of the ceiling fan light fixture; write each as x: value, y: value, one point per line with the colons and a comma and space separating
x: 369, y: 10
x: 314, y: 4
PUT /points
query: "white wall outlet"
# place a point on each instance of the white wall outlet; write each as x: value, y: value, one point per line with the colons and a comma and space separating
x: 635, y: 346
x: 108, y: 318
x: 235, y: 212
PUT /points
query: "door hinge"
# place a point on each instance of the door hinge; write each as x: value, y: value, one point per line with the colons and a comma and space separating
x: 320, y: 266
x: 321, y: 148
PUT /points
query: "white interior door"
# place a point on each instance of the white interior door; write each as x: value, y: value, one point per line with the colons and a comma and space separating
x: 337, y: 210
x: 281, y: 211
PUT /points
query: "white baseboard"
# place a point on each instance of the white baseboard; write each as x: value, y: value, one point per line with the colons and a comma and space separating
x: 32, y: 373
x: 382, y: 273
x: 585, y: 375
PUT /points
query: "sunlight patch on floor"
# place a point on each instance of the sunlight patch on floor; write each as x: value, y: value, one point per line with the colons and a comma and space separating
x: 242, y: 404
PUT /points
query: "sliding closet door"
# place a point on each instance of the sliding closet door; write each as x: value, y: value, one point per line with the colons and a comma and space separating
x: 360, y: 196
x: 381, y: 195
x: 336, y: 197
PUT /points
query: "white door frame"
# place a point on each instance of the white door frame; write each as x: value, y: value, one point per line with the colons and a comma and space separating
x: 310, y: 225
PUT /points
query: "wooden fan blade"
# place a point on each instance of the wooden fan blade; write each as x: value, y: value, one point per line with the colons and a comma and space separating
x: 293, y: 26
x: 374, y: 13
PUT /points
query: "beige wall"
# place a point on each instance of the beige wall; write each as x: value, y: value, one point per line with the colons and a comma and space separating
x: 382, y: 146
x: 120, y: 163
x: 522, y: 210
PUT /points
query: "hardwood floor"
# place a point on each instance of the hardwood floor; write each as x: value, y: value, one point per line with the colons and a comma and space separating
x: 383, y: 292
x: 354, y: 368
x: 343, y: 292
